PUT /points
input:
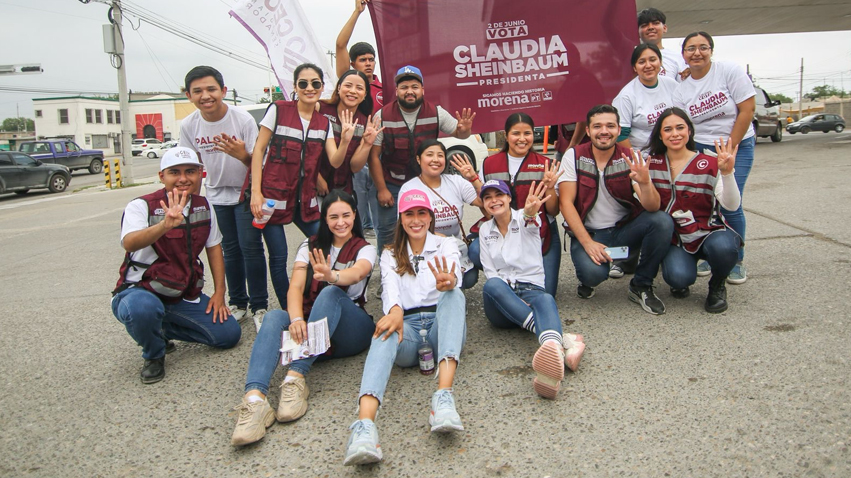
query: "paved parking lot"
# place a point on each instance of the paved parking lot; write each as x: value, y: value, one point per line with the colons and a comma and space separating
x: 761, y: 390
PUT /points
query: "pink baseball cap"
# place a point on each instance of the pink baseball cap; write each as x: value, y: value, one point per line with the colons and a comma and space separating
x: 413, y: 198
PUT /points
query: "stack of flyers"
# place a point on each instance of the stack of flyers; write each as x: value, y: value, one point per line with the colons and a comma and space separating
x: 317, y: 343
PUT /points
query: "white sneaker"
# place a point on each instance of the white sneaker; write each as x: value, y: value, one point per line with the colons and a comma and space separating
x: 238, y: 313
x: 258, y: 318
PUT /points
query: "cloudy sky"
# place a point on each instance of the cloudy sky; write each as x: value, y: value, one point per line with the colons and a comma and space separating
x: 65, y: 37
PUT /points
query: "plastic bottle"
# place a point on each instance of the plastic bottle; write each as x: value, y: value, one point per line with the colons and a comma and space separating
x: 268, y: 208
x: 426, y: 355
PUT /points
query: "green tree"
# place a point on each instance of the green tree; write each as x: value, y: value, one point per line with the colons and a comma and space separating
x: 825, y: 91
x: 781, y: 97
x: 18, y: 124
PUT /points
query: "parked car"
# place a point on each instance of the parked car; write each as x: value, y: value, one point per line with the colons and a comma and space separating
x: 139, y: 145
x: 767, y: 122
x: 157, y: 150
x: 64, y: 152
x: 473, y: 147
x: 21, y: 172
x: 820, y: 122
x: 538, y: 135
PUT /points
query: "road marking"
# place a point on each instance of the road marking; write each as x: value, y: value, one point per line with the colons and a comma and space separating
x: 34, y: 201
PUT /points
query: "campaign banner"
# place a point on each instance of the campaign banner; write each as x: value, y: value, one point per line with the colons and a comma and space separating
x: 286, y: 35
x: 552, y: 59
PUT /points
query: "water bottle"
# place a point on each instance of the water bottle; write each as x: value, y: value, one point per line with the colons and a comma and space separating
x: 426, y: 355
x: 268, y: 208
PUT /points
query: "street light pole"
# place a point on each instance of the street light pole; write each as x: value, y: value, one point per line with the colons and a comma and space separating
x: 123, y: 96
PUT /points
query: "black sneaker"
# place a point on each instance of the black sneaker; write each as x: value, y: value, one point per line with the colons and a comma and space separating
x: 646, y: 298
x: 680, y: 293
x: 153, y: 371
x: 170, y: 346
x: 716, y: 300
x: 584, y: 292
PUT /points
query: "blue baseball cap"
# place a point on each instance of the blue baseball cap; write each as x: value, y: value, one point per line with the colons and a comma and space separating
x: 497, y: 184
x: 409, y: 71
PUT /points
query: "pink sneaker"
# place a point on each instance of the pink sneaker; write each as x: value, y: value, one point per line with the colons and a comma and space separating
x: 548, y: 363
x: 573, y: 354
x: 568, y: 338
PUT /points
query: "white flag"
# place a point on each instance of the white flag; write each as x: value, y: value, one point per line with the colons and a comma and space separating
x: 283, y: 30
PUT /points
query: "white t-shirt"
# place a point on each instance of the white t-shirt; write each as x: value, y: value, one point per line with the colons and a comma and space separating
x: 456, y: 190
x: 606, y: 212
x: 366, y: 253
x: 514, y: 164
x: 136, y: 219
x: 445, y: 121
x: 409, y: 291
x: 270, y: 120
x: 225, y: 174
x: 639, y: 107
x: 711, y: 102
x: 515, y: 256
x: 672, y: 64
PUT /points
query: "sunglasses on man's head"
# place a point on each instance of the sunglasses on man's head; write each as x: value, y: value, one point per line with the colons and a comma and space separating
x: 316, y: 84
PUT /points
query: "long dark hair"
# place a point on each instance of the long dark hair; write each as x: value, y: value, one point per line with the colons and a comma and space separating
x: 325, y: 238
x: 421, y: 149
x: 365, y: 106
x: 657, y: 147
x: 514, y: 119
x: 399, y: 248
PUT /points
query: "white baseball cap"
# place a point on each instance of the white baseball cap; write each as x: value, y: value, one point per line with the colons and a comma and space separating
x: 177, y: 156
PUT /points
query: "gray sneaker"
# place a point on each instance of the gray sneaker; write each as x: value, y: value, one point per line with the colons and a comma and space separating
x: 293, y: 402
x: 238, y: 313
x: 258, y: 318
x: 443, y: 417
x: 738, y: 275
x: 703, y: 269
x: 615, y: 271
x: 254, y: 419
x: 363, y: 447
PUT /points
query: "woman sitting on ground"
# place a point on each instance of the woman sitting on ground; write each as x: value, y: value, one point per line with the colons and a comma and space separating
x: 447, y: 194
x: 329, y: 279
x: 514, y: 294
x: 692, y: 188
x: 415, y: 297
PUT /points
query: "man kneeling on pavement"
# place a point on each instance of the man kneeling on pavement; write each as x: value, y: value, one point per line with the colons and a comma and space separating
x: 158, y: 296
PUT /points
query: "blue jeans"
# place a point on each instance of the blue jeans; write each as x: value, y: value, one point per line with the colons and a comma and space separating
x: 507, y: 308
x: 744, y: 163
x: 552, y: 260
x: 276, y: 240
x: 366, y: 195
x: 719, y: 249
x: 151, y: 322
x: 235, y: 234
x: 385, y: 219
x: 350, y: 327
x: 447, y: 339
x: 651, y: 231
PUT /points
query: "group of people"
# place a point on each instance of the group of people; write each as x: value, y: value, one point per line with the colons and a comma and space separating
x: 655, y: 176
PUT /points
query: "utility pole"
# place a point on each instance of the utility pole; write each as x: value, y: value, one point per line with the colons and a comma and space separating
x: 123, y: 96
x: 801, y: 93
x: 234, y: 96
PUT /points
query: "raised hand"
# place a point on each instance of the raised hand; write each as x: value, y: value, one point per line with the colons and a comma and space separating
x: 347, y: 127
x: 726, y: 155
x: 465, y: 122
x: 373, y: 127
x: 462, y: 164
x: 360, y: 5
x: 535, y: 199
x: 321, y: 266
x: 174, y: 208
x: 552, y: 171
x: 444, y: 277
x: 639, y: 167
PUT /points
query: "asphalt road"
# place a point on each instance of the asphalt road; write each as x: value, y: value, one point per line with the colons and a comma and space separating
x: 761, y: 390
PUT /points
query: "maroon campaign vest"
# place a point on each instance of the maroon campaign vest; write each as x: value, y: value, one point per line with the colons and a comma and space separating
x: 292, y: 165
x: 347, y: 257
x: 531, y: 170
x: 177, y: 273
x: 342, y: 177
x: 399, y: 149
x: 617, y: 182
x: 690, y: 200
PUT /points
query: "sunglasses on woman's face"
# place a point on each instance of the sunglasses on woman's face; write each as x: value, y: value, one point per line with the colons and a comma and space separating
x: 316, y: 84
